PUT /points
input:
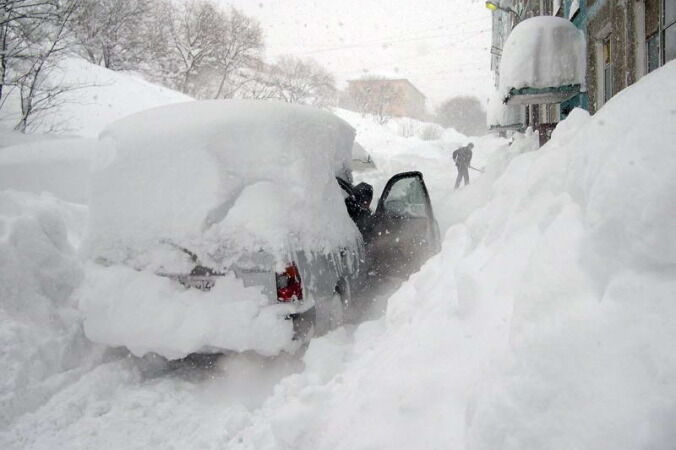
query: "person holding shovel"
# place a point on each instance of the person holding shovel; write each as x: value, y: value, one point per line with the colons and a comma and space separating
x: 463, y: 158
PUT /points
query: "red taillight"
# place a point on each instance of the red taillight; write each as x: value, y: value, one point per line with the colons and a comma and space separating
x: 289, y: 286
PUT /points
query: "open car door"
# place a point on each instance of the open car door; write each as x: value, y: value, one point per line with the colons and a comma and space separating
x: 404, y: 232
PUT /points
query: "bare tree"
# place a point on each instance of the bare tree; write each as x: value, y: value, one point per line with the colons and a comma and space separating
x: 159, y: 62
x: 195, y: 33
x: 108, y: 31
x: 304, y: 82
x: 200, y: 49
x: 464, y: 113
x: 193, y: 46
x: 20, y: 20
x: 238, y: 47
x: 374, y: 95
x: 253, y: 83
x: 34, y: 34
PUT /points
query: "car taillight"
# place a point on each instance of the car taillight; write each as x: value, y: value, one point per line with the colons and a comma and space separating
x: 289, y: 286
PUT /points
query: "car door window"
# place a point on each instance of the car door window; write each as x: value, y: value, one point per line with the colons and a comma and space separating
x: 404, y: 232
x: 406, y: 198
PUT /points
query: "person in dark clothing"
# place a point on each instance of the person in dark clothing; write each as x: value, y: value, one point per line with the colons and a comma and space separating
x: 363, y: 194
x: 358, y: 204
x: 463, y: 158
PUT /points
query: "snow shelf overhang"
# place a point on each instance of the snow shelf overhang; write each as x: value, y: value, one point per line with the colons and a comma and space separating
x: 543, y: 61
x: 501, y: 117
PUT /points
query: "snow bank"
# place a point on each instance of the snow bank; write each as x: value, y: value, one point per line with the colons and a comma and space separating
x: 221, y: 178
x: 10, y: 138
x: 543, y: 52
x: 230, y: 181
x: 40, y: 335
x: 59, y: 166
x: 592, y: 362
x: 100, y: 96
x: 547, y: 321
x: 146, y: 313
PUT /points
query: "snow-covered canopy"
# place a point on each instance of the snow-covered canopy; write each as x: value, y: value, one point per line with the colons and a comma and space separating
x: 500, y: 115
x: 543, y: 52
x: 220, y: 178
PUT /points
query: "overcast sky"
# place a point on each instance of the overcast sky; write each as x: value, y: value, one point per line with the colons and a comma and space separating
x: 442, y: 46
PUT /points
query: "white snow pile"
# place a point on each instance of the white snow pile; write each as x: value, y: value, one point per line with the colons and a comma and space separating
x: 60, y: 166
x: 547, y: 321
x: 228, y: 180
x: 40, y: 333
x: 221, y: 178
x: 146, y: 313
x: 542, y: 52
x: 95, y: 97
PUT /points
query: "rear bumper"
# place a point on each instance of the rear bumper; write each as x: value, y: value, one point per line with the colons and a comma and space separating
x: 147, y: 313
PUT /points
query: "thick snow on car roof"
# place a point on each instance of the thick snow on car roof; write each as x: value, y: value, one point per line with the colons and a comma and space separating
x: 220, y: 177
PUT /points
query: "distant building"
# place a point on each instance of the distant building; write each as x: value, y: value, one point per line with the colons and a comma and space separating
x: 384, y: 97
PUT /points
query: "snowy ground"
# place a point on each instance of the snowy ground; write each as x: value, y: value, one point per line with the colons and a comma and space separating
x: 98, y: 97
x: 547, y: 320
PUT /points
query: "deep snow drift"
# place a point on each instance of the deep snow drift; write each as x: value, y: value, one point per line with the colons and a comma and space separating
x: 220, y: 178
x: 98, y: 96
x: 48, y: 163
x: 547, y: 321
x: 231, y: 181
x: 59, y: 166
x: 40, y: 330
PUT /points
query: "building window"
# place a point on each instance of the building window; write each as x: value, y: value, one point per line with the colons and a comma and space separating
x: 669, y: 30
x: 661, y: 44
x: 669, y: 12
x: 653, y: 52
x: 546, y: 7
x: 607, y: 70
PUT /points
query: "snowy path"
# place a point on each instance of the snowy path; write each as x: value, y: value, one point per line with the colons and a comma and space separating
x: 130, y: 403
x: 547, y: 321
x: 126, y: 402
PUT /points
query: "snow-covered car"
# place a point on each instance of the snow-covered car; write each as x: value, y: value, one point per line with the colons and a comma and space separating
x: 234, y: 225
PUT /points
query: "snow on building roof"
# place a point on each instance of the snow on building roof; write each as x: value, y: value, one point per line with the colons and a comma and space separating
x: 385, y: 76
x: 215, y: 176
x: 541, y: 53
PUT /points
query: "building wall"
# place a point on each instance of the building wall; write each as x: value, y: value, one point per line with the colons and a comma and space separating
x: 626, y: 24
x: 611, y: 21
x: 398, y: 98
x: 502, y: 24
x: 413, y: 102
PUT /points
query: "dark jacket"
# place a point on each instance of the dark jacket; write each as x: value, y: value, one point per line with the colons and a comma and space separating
x: 462, y: 156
